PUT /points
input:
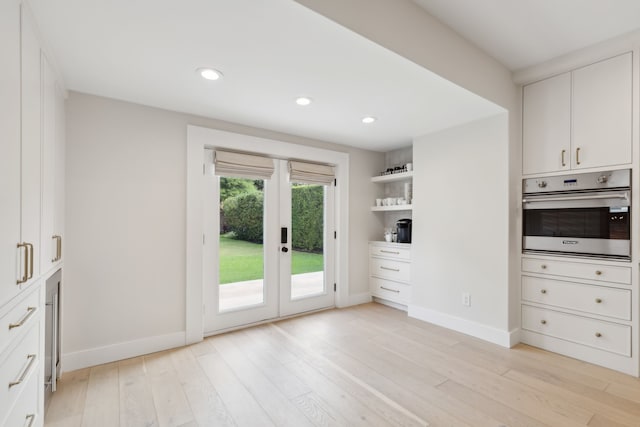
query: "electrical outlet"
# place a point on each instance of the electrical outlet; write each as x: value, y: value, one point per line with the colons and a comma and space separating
x: 466, y: 299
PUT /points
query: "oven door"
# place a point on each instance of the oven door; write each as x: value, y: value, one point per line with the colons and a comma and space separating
x: 589, y: 224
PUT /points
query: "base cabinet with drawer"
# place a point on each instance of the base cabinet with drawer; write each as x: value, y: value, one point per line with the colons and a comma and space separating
x: 390, y: 272
x: 582, y: 309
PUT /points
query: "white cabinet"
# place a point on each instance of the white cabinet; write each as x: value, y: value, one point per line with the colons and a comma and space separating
x: 580, y: 119
x: 390, y: 271
x: 581, y: 309
x: 10, y: 140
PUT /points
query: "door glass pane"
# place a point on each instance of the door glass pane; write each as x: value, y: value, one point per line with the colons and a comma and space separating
x: 307, y: 240
x: 241, y: 255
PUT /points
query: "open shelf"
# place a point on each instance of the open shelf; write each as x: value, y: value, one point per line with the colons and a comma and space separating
x: 392, y: 208
x: 382, y: 179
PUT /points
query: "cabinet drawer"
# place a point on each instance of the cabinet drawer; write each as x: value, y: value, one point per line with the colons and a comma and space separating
x: 392, y: 291
x: 390, y: 252
x: 25, y: 411
x: 599, y: 272
x: 607, y: 336
x: 600, y: 300
x: 19, y: 319
x: 16, y: 369
x: 390, y: 269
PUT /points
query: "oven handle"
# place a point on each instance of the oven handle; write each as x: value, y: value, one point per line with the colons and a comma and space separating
x: 624, y: 196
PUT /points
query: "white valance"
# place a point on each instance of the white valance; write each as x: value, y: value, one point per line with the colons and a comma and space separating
x: 311, y: 173
x: 240, y: 165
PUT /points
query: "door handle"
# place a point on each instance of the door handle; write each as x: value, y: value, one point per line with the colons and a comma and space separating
x: 30, y: 252
x: 25, y: 273
x: 285, y: 249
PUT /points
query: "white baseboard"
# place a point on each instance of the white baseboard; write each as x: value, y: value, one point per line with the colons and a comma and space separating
x: 124, y: 350
x: 357, y: 299
x: 475, y: 329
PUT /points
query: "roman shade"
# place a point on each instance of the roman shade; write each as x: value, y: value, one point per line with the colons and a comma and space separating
x: 311, y: 173
x: 228, y: 163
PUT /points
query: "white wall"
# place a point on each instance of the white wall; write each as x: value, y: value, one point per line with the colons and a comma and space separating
x: 461, y: 228
x: 124, y: 289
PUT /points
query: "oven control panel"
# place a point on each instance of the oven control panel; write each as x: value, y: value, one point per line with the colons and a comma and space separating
x: 578, y: 182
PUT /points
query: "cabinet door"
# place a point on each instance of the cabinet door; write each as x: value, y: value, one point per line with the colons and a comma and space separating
x: 31, y: 169
x: 60, y: 181
x: 602, y: 118
x: 546, y: 125
x: 10, y: 142
x: 48, y: 244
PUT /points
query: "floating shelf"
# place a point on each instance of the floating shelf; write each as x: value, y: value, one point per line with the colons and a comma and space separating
x: 401, y: 176
x: 392, y: 208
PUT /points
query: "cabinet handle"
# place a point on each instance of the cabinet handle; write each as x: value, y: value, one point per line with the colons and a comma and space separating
x: 30, y: 311
x: 25, y: 276
x: 30, y: 252
x: 23, y: 375
x: 390, y: 252
x: 390, y: 269
x: 543, y: 291
x: 58, y: 255
x: 598, y: 300
x: 598, y: 334
x: 389, y: 289
x: 598, y: 273
x: 543, y: 266
x: 578, y: 156
x: 544, y: 322
x: 563, y: 162
x: 30, y: 419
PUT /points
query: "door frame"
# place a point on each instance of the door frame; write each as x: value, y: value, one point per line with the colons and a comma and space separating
x: 199, y: 138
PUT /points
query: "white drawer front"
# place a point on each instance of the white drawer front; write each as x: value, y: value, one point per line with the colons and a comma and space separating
x: 25, y: 411
x: 389, y: 269
x: 600, y: 300
x: 19, y: 319
x: 392, y: 291
x: 606, y: 336
x: 390, y: 252
x: 604, y: 273
x: 16, y: 369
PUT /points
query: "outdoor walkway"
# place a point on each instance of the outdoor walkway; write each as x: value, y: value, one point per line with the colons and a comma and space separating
x: 241, y: 294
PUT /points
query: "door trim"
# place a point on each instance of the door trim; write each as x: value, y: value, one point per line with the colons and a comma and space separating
x: 199, y: 138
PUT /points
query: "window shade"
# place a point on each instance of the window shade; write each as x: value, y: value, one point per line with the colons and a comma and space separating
x: 311, y: 173
x: 243, y: 165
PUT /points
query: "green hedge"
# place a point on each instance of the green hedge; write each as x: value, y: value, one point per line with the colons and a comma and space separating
x: 243, y: 216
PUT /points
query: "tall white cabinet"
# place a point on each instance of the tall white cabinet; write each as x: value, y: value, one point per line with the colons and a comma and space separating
x: 580, y: 119
x: 32, y: 197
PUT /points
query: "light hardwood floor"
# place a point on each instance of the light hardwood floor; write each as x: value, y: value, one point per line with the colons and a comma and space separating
x: 368, y: 365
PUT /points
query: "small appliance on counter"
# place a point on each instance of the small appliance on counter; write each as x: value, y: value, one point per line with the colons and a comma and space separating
x: 403, y: 227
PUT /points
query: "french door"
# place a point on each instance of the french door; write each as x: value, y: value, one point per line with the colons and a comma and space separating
x: 268, y: 247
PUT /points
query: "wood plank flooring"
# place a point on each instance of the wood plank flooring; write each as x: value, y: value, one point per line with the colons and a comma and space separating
x: 367, y: 365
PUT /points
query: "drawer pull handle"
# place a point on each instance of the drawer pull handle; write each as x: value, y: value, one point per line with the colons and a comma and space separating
x: 390, y: 252
x: 30, y: 311
x: 598, y: 273
x: 23, y: 375
x: 544, y: 322
x: 30, y: 419
x: 598, y: 300
x: 543, y: 291
x: 389, y: 289
x: 598, y: 334
x: 389, y: 269
x: 543, y: 266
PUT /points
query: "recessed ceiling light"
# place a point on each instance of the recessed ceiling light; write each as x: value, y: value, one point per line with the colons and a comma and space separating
x: 303, y: 101
x: 367, y: 120
x: 209, y: 73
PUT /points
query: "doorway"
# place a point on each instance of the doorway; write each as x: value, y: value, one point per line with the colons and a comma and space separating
x: 269, y: 245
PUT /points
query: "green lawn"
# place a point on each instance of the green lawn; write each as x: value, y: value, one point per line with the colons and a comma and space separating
x: 240, y: 261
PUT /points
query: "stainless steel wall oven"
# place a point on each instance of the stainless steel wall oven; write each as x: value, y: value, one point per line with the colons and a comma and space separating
x: 586, y: 214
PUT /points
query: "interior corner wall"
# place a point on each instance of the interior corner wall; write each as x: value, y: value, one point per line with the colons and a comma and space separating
x: 461, y: 232
x: 124, y: 279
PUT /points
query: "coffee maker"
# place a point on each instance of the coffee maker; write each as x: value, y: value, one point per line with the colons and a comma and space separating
x: 403, y: 227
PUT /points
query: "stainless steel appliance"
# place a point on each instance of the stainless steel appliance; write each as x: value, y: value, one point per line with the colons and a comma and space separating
x: 403, y: 227
x: 586, y: 214
x: 52, y: 334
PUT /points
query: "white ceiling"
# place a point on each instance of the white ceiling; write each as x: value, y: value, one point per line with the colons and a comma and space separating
x: 521, y: 33
x: 270, y: 51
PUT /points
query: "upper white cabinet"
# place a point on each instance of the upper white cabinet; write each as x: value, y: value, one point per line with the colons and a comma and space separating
x: 10, y: 142
x: 580, y: 119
